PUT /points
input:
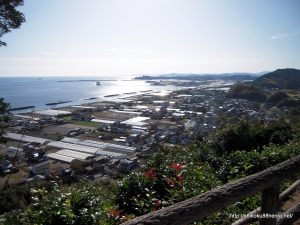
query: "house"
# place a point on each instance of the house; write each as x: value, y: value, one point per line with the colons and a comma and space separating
x: 42, y: 168
x: 177, y: 116
x: 32, y: 126
x: 89, y: 170
x: 127, y: 165
x: 31, y: 147
x: 6, y: 167
x: 96, y: 176
x: 75, y: 132
x: 78, y: 165
x: 13, y: 152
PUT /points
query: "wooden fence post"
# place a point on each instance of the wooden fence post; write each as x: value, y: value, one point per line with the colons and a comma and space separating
x: 203, y: 205
x: 269, y: 205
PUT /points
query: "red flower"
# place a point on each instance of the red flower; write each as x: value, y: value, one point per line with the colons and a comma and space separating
x: 177, y: 167
x: 150, y: 174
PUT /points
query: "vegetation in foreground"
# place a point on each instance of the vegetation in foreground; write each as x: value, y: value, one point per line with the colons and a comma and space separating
x: 168, y: 176
x: 10, y: 17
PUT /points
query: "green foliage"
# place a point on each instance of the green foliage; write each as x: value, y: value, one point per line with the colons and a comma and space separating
x: 199, y: 169
x: 247, y: 136
x: 277, y: 96
x: 295, y: 103
x: 4, y: 118
x: 87, y: 123
x: 81, y: 204
x: 242, y: 207
x: 246, y: 91
x: 14, y: 198
x: 10, y: 17
x: 170, y: 176
x: 242, y: 163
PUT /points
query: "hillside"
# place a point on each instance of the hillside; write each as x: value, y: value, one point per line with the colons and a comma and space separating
x: 246, y: 91
x: 277, y: 96
x: 281, y: 78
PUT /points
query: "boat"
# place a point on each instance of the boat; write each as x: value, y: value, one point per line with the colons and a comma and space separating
x: 98, y: 83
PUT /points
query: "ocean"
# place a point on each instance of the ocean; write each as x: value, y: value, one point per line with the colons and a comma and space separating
x: 38, y: 91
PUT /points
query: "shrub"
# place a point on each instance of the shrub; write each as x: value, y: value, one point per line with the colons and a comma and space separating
x: 248, y: 136
x: 170, y: 176
x: 81, y: 204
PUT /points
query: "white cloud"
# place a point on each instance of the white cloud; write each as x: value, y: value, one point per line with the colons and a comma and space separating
x: 284, y: 35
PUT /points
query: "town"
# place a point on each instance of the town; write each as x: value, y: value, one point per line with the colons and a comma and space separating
x: 105, y: 139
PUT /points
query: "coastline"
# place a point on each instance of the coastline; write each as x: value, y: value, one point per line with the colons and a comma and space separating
x: 119, y: 97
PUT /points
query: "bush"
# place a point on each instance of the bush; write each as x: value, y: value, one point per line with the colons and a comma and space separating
x: 81, y: 204
x: 248, y: 136
x: 14, y: 198
x: 170, y: 176
x: 241, y: 163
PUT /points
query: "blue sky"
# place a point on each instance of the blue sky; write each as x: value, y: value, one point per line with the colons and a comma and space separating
x: 130, y: 37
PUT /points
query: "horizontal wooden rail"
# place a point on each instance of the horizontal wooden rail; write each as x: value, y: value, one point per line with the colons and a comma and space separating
x: 282, y: 197
x: 204, y: 205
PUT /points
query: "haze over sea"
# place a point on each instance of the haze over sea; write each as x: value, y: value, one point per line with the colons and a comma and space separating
x: 37, y: 91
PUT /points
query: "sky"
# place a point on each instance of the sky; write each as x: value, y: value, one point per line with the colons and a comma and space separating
x: 137, y: 37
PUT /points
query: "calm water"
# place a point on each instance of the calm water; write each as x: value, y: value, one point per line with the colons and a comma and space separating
x: 26, y: 91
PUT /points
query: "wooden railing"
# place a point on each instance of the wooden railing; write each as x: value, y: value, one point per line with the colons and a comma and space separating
x: 201, y: 206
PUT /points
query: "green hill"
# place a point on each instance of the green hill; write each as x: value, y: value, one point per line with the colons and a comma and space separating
x: 281, y: 78
x: 277, y: 96
x: 246, y: 91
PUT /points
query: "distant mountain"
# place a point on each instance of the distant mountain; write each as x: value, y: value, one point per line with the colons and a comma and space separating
x: 281, y: 78
x: 201, y: 77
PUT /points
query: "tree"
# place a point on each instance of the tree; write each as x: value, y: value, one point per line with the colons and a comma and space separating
x: 10, y: 17
x: 3, y: 118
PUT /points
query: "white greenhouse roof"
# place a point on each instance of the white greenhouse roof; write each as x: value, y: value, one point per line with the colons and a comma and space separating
x: 60, y: 157
x: 52, y: 112
x: 79, y: 148
x: 137, y: 121
x: 108, y: 153
x: 25, y: 138
x: 126, y: 112
x: 99, y: 144
x: 74, y: 154
x: 83, y: 148
x: 178, y: 114
x: 103, y: 121
x: 26, y: 117
x: 82, y: 107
